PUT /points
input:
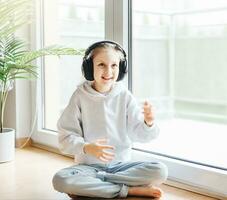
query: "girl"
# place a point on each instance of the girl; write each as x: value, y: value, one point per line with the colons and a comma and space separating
x: 98, y: 127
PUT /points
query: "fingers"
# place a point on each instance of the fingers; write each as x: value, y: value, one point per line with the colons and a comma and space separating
x: 147, y: 107
x: 107, y: 153
x: 146, y: 102
x: 103, y: 147
x: 104, y: 155
x: 103, y: 144
x: 148, y: 112
x: 104, y: 159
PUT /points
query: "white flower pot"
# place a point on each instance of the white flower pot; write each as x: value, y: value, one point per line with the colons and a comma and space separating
x: 7, y: 145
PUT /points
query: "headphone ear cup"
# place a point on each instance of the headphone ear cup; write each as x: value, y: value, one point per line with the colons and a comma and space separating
x: 84, y: 68
x: 88, y: 69
x: 123, y: 64
x: 123, y: 69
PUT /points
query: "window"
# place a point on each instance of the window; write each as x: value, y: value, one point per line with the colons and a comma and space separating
x: 70, y: 23
x: 179, y: 63
x: 75, y: 24
x: 186, y: 83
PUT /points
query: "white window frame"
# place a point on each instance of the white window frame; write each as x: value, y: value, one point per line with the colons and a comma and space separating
x: 181, y: 174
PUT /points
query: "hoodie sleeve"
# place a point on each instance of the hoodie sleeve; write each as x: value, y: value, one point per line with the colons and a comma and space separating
x: 138, y: 130
x: 70, y: 134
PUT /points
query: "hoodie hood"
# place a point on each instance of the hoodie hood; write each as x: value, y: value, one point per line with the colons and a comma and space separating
x: 86, y: 87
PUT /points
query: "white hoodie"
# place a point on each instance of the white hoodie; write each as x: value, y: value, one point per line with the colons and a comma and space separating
x: 91, y: 115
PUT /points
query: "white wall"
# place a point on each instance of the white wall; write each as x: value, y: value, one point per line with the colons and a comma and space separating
x: 18, y: 107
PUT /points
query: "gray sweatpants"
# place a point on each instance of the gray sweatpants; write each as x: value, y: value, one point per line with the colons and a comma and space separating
x: 108, y: 181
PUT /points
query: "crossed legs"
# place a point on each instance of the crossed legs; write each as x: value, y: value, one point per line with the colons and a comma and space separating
x: 122, y: 179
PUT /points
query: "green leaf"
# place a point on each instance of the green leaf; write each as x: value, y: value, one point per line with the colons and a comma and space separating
x: 51, y: 50
x: 14, y: 14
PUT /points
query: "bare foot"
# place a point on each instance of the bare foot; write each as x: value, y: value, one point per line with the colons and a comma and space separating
x: 146, y: 191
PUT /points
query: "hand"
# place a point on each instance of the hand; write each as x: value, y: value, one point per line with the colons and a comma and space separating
x: 99, y: 149
x: 148, y: 113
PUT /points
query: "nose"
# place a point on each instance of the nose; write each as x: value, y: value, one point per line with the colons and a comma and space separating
x: 108, y: 70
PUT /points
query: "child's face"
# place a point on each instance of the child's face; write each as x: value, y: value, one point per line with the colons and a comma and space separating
x: 106, y: 69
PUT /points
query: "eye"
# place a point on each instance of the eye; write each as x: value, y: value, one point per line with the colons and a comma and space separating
x: 101, y: 65
x: 114, y: 65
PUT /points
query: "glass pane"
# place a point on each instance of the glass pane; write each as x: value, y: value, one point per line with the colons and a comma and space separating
x: 179, y: 64
x: 73, y: 23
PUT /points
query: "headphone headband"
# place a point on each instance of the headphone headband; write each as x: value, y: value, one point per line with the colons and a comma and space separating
x: 96, y: 44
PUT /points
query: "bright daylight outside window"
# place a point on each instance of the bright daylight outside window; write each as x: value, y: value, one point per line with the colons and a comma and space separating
x: 180, y: 64
x: 75, y: 24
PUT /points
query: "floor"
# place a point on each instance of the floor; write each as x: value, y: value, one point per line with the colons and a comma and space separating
x: 29, y: 177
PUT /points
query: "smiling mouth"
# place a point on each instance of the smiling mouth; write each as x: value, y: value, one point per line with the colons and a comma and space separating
x: 107, y: 78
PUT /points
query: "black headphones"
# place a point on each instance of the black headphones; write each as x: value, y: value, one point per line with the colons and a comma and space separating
x: 87, y: 65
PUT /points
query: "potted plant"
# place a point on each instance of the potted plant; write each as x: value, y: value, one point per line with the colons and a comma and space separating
x: 16, y: 62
